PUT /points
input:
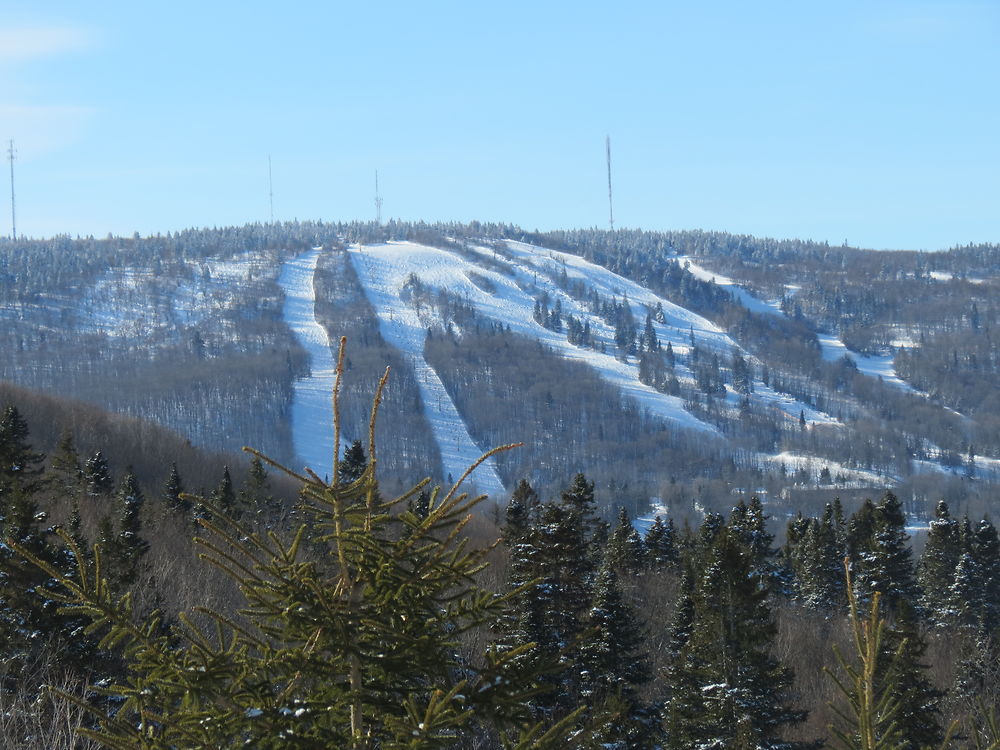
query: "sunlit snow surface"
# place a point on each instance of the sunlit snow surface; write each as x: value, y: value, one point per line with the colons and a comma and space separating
x: 880, y: 366
x: 312, y: 407
x: 382, y: 270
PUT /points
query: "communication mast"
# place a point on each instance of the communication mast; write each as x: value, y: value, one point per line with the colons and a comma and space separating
x: 611, y: 208
x: 378, y: 201
x: 13, y: 221
x: 270, y: 187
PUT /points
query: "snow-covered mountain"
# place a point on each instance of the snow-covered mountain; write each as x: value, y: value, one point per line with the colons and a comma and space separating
x: 677, y: 366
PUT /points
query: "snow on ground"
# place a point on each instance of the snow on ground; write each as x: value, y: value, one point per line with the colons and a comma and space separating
x: 214, y: 283
x: 833, y: 348
x: 878, y: 366
x: 312, y: 407
x: 793, y: 462
x: 679, y: 323
x: 120, y: 304
x: 747, y: 299
x: 525, y: 274
x: 382, y: 270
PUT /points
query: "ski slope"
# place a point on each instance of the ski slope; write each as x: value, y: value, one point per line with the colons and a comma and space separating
x: 879, y: 366
x: 383, y: 270
x: 515, y: 279
x: 312, y: 405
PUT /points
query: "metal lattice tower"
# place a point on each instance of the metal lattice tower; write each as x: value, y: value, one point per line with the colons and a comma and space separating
x: 378, y: 201
x: 13, y: 221
x: 611, y: 208
x: 270, y: 187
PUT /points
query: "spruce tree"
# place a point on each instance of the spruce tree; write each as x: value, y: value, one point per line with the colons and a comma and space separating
x: 900, y: 667
x: 20, y: 466
x: 936, y: 569
x: 66, y: 472
x: 880, y: 552
x: 614, y: 663
x: 173, y: 492
x: 660, y: 543
x: 353, y: 464
x: 741, y: 689
x: 97, y: 475
x: 625, y: 548
x: 985, y: 549
x: 224, y: 496
x: 255, y: 498
x: 357, y: 650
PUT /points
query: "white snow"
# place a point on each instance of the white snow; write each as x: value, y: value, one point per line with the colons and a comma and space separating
x: 522, y: 276
x: 312, y: 405
x: 747, y: 299
x: 876, y: 366
x: 815, y: 464
x: 383, y: 270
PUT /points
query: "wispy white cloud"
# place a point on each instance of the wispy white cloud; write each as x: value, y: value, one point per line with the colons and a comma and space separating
x: 40, y: 42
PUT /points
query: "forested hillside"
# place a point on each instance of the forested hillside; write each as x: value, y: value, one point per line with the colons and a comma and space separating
x: 372, y: 621
x: 678, y: 368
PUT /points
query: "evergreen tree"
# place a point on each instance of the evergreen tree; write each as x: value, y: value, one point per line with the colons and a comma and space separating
x: 902, y: 673
x: 521, y: 509
x: 173, y: 491
x: 224, y: 496
x: 124, y: 549
x: 255, y: 497
x: 20, y: 467
x: 684, y: 707
x: 985, y: 549
x: 749, y: 523
x: 936, y: 569
x: 614, y: 663
x: 880, y: 552
x: 353, y: 464
x: 66, y: 472
x: 660, y: 543
x: 97, y: 475
x: 625, y: 548
x: 358, y: 650
x: 741, y: 689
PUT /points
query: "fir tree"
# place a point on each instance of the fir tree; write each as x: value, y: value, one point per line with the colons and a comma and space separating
x: 901, y: 668
x: 614, y: 663
x: 356, y: 651
x: 255, y: 497
x: 985, y: 548
x: 353, y: 464
x: 20, y: 467
x: 124, y: 549
x: 936, y: 569
x: 880, y: 552
x: 173, y: 491
x: 625, y: 548
x: 660, y: 543
x: 741, y: 689
x: 66, y: 472
x: 97, y: 475
x: 224, y: 496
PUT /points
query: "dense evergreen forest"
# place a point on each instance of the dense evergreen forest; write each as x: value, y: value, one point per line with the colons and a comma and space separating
x: 578, y: 632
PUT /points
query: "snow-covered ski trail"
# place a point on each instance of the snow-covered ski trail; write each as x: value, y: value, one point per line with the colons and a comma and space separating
x: 312, y: 405
x: 379, y: 270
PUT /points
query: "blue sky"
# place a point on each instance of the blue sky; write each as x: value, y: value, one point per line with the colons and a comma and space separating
x: 874, y: 122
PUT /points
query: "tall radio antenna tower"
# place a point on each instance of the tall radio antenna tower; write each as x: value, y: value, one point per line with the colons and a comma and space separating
x: 378, y: 201
x: 270, y: 187
x: 611, y: 208
x: 13, y: 221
